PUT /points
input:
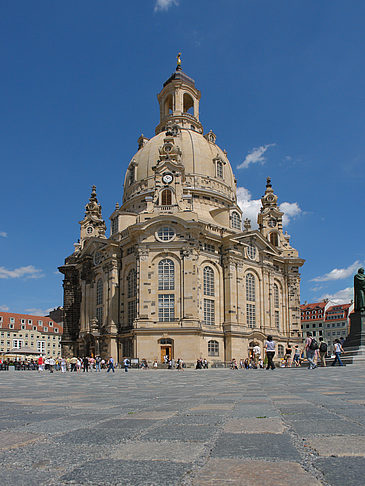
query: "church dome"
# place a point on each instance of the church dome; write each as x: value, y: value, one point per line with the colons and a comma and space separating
x: 206, y: 166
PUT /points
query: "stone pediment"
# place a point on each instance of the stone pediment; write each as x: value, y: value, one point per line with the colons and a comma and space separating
x: 261, y: 242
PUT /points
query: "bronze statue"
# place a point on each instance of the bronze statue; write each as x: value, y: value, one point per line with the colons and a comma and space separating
x: 359, y: 290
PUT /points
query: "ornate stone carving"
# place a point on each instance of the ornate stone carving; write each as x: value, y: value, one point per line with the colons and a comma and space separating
x: 210, y: 136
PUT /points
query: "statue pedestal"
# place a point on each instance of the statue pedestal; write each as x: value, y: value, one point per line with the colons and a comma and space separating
x: 354, y: 346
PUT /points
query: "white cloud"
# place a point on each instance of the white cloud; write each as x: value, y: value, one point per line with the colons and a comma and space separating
x: 3, y: 234
x: 38, y: 312
x: 26, y: 272
x: 341, y: 297
x: 256, y: 156
x: 338, y: 273
x: 161, y: 5
x: 251, y: 207
x: 4, y: 308
x: 290, y: 210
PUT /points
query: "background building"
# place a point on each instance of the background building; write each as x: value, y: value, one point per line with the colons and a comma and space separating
x: 178, y: 276
x: 22, y: 330
x: 324, y: 320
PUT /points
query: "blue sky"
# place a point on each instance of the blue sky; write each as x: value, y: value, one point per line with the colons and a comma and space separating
x: 282, y: 87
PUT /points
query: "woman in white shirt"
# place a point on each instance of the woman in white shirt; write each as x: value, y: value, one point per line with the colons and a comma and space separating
x: 338, y: 350
x: 270, y: 352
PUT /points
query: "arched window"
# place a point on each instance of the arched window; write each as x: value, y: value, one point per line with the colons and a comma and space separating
x: 273, y: 238
x: 168, y: 104
x: 166, y: 275
x: 276, y: 296
x: 99, y: 292
x: 280, y: 351
x: 188, y: 102
x: 251, y: 251
x: 236, y: 220
x: 208, y: 281
x: 250, y: 288
x: 166, y: 197
x: 213, y: 348
x: 132, y: 283
x: 250, y: 297
x: 220, y: 169
x: 99, y: 301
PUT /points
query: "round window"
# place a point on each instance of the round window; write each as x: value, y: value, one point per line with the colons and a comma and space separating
x: 165, y: 233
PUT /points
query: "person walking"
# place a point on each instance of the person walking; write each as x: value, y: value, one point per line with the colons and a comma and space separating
x: 322, y: 351
x: 63, y: 365
x: 86, y: 364
x: 40, y: 363
x: 126, y: 364
x: 338, y: 350
x: 296, y: 358
x: 270, y: 352
x: 51, y: 364
x: 311, y: 347
x: 97, y: 363
x: 111, y: 365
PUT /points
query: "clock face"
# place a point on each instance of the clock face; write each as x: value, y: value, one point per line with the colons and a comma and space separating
x: 89, y: 230
x: 167, y: 178
x: 272, y: 222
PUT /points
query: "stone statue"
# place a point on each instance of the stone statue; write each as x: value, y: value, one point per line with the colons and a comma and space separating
x: 359, y: 290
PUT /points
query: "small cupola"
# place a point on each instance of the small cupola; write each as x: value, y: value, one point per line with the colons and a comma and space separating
x: 179, y: 101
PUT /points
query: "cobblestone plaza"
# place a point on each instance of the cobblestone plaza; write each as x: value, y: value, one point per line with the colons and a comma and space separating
x: 191, y: 427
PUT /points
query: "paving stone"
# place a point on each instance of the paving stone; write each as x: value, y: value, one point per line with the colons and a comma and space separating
x: 214, y: 406
x: 13, y: 439
x: 181, y: 432
x: 158, y: 451
x: 255, y: 446
x: 18, y: 477
x: 255, y: 426
x: 324, y: 427
x: 338, y: 445
x: 340, y: 471
x: 127, y: 473
x: 153, y: 415
x: 237, y: 472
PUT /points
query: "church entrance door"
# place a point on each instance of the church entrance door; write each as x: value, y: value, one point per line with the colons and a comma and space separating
x: 165, y: 351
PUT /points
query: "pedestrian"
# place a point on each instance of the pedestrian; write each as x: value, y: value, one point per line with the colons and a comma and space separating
x: 322, y: 351
x: 40, y: 363
x: 63, y: 365
x: 51, y: 363
x: 288, y: 352
x: 296, y: 358
x: 126, y: 364
x: 155, y: 364
x: 270, y: 352
x: 97, y: 363
x: 111, y: 365
x: 86, y: 364
x: 338, y: 350
x: 73, y: 363
x: 256, y: 352
x: 311, y: 347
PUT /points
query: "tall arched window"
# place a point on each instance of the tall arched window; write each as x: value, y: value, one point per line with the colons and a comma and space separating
x: 131, y: 296
x: 250, y: 298
x: 220, y: 169
x: 99, y: 301
x: 208, y: 281
x: 209, y: 304
x: 213, y: 348
x: 250, y: 288
x: 276, y: 306
x: 276, y: 296
x: 166, y: 275
x: 166, y: 197
x: 280, y: 351
x: 236, y: 220
x: 132, y: 283
x: 99, y: 292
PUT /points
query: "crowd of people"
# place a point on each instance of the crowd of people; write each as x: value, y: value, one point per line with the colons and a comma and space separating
x: 313, y: 352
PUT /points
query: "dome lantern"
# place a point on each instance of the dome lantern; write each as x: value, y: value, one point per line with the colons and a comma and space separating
x: 179, y: 101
